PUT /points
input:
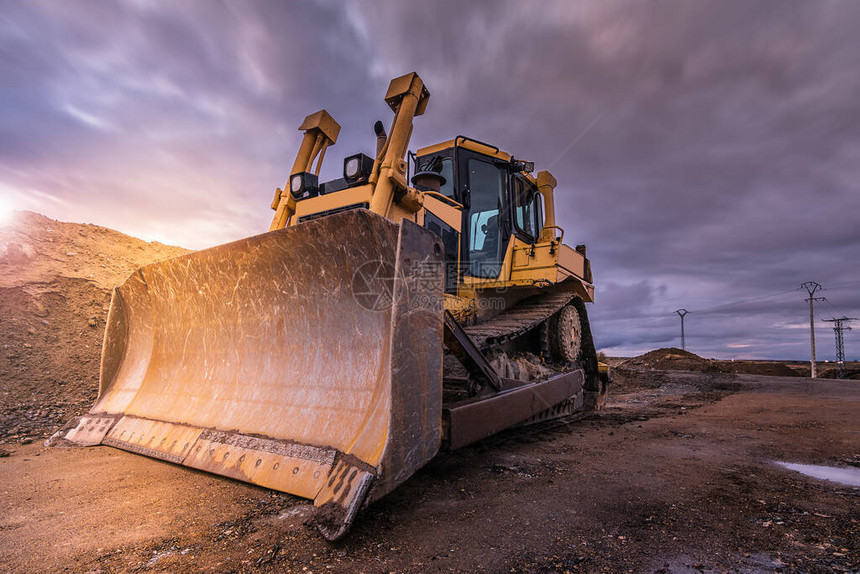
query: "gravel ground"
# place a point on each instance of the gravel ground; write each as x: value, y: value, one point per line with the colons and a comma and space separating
x: 678, y: 474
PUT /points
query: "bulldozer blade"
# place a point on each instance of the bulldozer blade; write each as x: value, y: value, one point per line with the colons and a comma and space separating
x: 306, y: 360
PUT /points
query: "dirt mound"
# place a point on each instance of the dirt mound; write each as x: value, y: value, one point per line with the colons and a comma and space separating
x: 676, y: 359
x: 852, y: 372
x: 767, y: 368
x: 35, y: 249
x: 670, y: 359
x: 55, y: 283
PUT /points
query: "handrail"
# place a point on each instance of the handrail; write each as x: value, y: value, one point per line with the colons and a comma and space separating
x: 473, y: 140
x: 560, y: 239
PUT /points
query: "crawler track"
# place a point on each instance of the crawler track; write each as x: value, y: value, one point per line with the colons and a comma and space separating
x: 518, y: 321
x: 518, y: 342
x: 534, y: 313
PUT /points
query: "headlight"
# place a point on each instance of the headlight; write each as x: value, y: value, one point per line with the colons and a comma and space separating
x: 304, y: 185
x: 357, y: 168
x: 518, y: 165
x: 352, y: 169
x: 296, y: 183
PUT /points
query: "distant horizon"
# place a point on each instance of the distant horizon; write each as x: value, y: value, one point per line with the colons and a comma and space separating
x: 769, y: 360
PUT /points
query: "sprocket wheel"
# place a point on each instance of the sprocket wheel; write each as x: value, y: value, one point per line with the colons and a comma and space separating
x: 564, y: 335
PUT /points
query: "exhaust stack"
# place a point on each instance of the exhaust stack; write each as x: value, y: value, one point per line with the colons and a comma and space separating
x: 381, y: 137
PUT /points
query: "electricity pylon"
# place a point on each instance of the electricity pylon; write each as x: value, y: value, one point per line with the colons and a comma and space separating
x: 838, y: 327
x: 681, y: 313
x: 812, y: 287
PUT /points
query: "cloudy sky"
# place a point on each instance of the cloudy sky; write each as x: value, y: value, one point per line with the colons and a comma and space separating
x: 708, y: 153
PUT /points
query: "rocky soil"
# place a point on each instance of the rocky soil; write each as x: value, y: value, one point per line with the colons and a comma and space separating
x: 678, y: 474
x: 55, y: 284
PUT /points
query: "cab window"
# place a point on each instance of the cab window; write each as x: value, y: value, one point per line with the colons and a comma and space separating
x: 486, y: 193
x: 447, y: 188
x: 528, y: 216
x: 442, y: 165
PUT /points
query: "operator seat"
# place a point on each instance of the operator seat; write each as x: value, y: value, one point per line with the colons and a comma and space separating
x: 485, y: 261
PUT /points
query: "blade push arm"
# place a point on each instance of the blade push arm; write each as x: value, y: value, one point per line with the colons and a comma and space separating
x: 320, y: 132
x: 407, y: 96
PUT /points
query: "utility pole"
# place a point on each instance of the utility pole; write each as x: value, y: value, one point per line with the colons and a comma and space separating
x: 812, y: 287
x: 838, y: 327
x: 681, y: 313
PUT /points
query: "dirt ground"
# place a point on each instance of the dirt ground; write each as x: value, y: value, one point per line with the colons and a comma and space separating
x: 677, y: 474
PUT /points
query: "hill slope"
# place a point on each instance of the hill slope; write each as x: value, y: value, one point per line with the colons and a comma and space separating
x: 55, y: 285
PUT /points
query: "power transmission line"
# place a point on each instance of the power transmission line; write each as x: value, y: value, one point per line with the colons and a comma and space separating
x: 836, y: 311
x: 840, y: 285
x: 721, y: 307
x: 727, y: 306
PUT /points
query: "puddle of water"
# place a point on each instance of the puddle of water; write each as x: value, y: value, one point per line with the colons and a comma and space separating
x: 846, y: 476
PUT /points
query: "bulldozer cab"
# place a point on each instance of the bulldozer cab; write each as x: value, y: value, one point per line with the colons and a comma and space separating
x: 498, y: 199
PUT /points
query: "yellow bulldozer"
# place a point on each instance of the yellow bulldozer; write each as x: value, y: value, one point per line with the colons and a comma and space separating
x: 420, y: 302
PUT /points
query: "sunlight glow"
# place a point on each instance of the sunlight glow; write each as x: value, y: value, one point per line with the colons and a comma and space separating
x: 6, y: 210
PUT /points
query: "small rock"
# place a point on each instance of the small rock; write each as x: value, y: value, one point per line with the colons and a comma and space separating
x: 4, y: 453
x: 27, y: 440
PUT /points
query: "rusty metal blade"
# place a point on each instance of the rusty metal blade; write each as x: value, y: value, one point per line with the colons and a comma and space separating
x: 307, y: 359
